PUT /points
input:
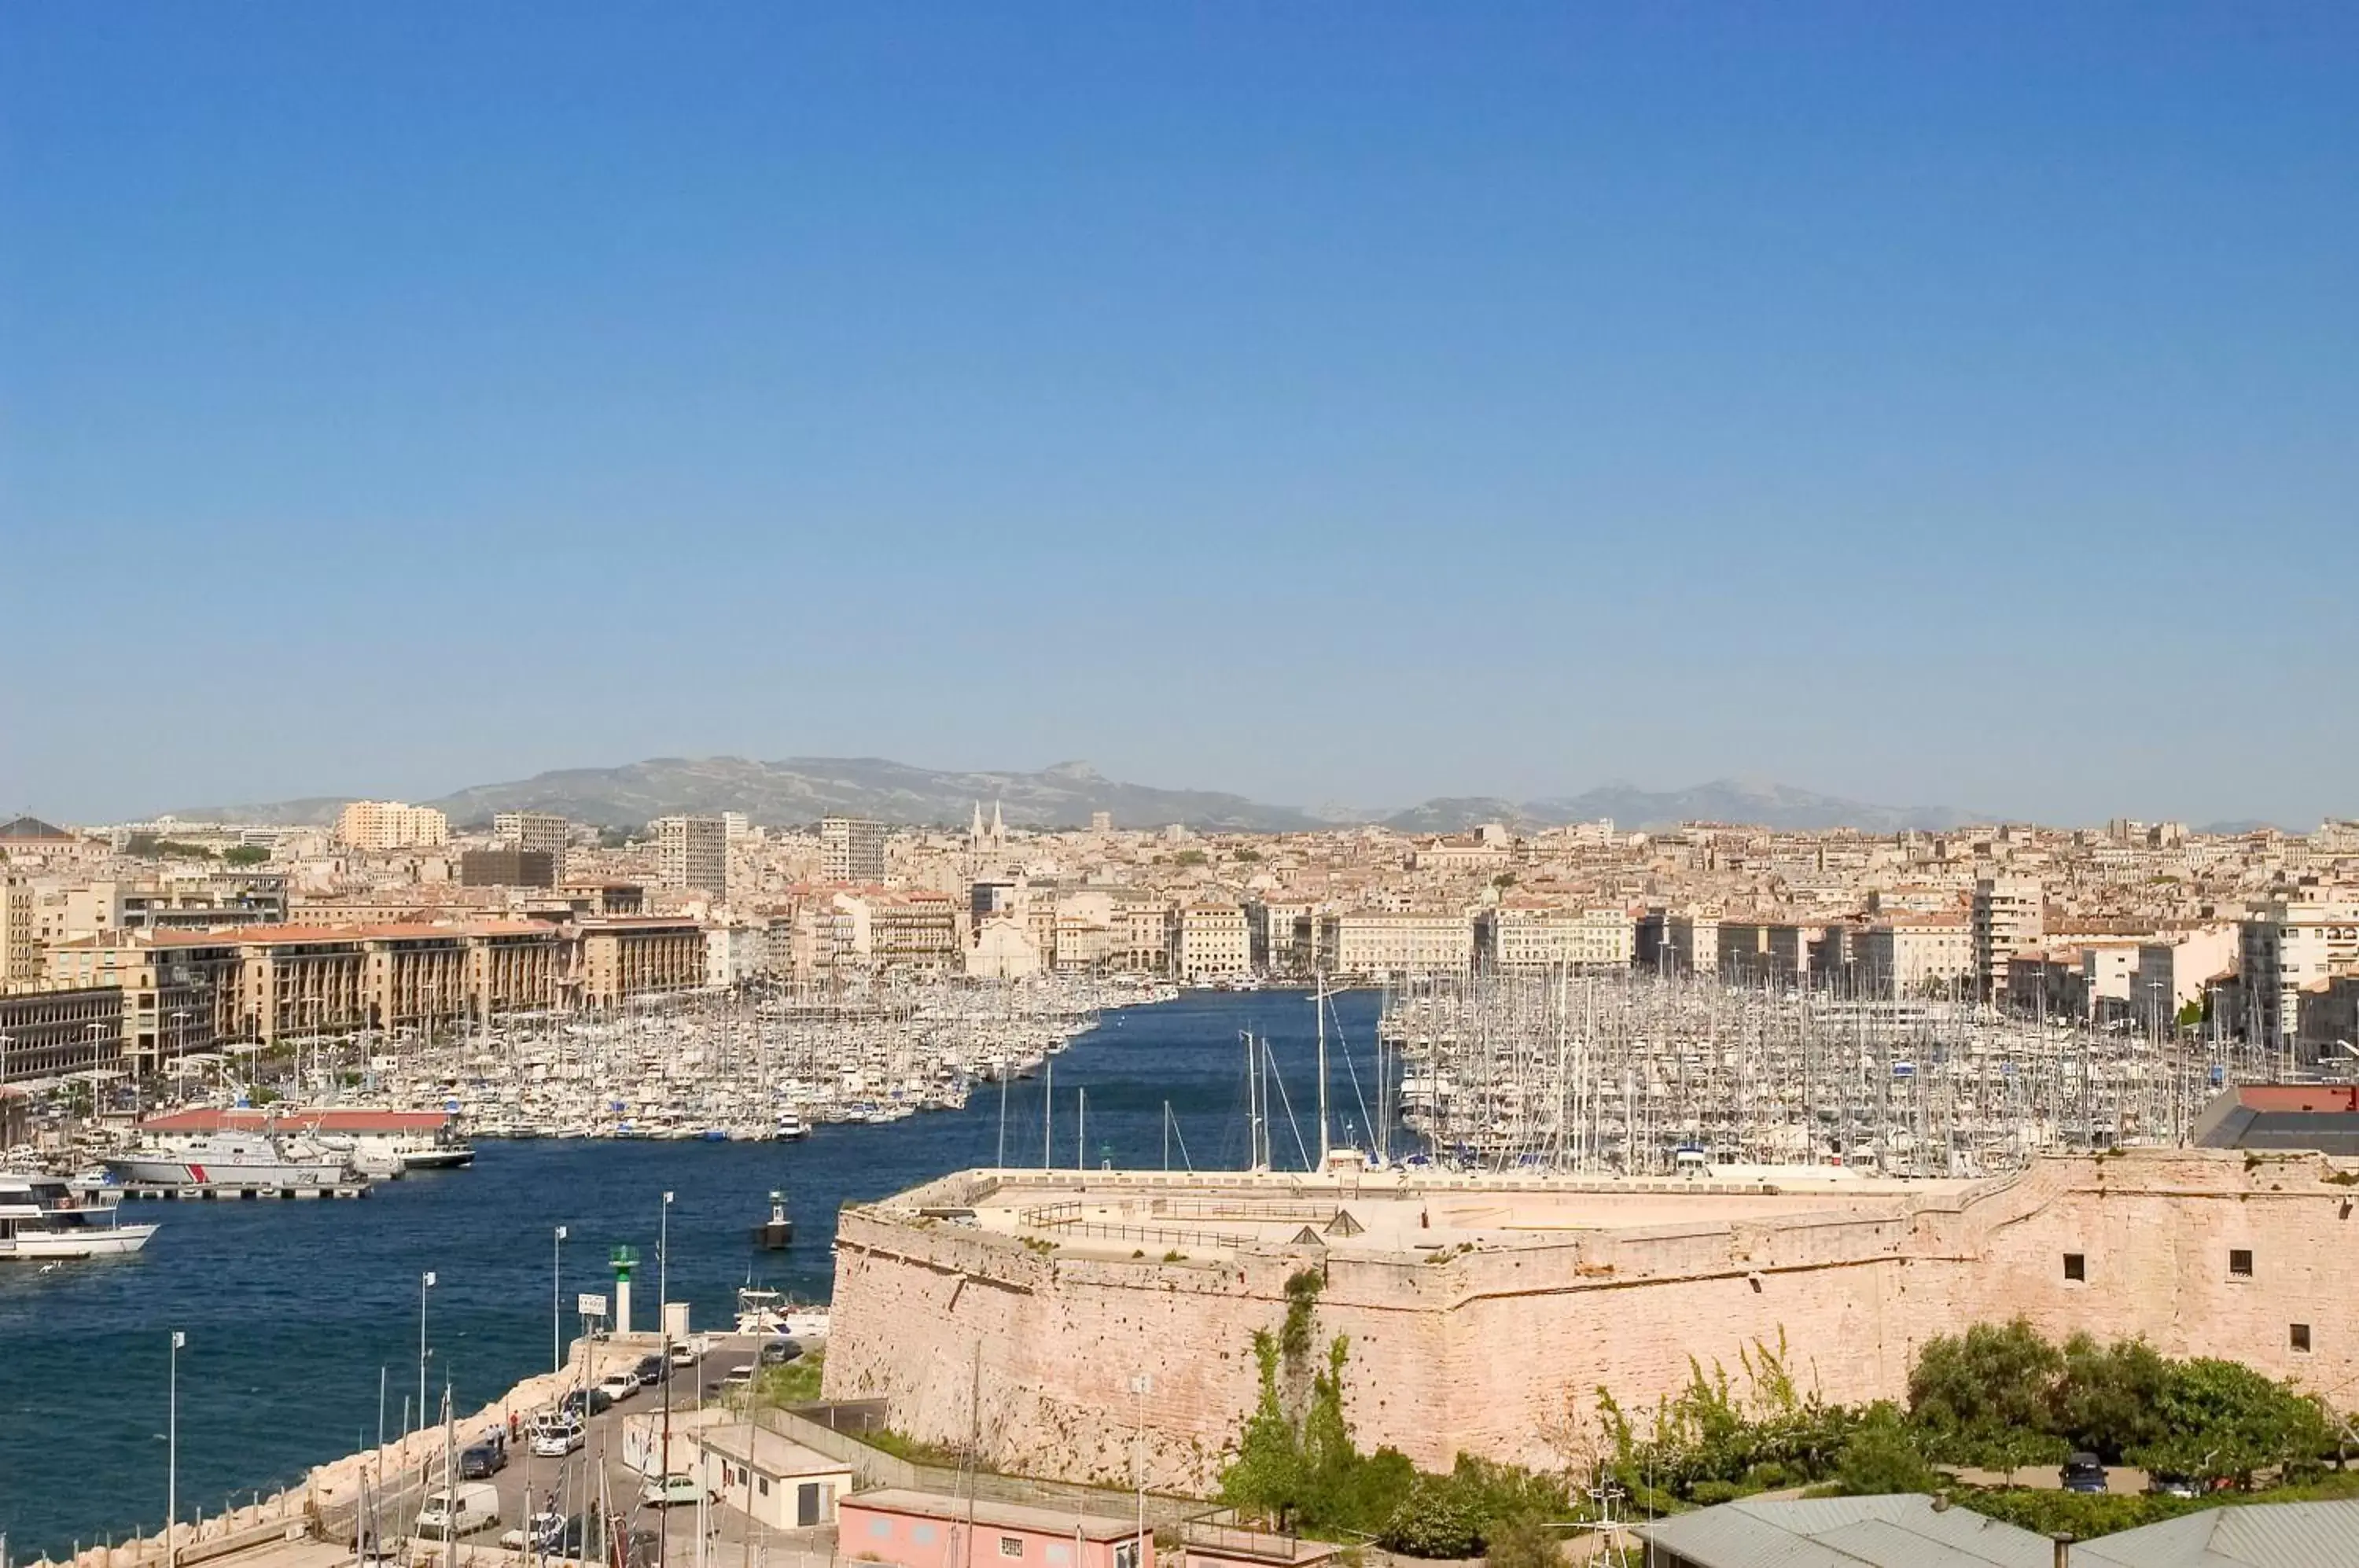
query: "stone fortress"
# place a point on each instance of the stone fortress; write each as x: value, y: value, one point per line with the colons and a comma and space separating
x: 1484, y: 1313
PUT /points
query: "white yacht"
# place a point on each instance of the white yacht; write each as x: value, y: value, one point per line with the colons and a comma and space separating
x: 233, y: 1160
x: 772, y: 1311
x: 42, y: 1219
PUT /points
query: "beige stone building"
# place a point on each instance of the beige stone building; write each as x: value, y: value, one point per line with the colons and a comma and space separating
x: 1902, y: 955
x: 20, y: 937
x: 1399, y: 942
x: 649, y: 955
x: 1521, y: 933
x: 1210, y: 941
x: 392, y: 825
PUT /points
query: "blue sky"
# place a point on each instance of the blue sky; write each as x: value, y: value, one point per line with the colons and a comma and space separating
x: 1333, y: 403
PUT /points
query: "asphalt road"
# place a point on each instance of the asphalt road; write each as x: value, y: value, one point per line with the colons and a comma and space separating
x: 528, y: 1482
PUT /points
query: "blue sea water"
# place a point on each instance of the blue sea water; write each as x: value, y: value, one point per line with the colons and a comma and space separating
x: 291, y: 1310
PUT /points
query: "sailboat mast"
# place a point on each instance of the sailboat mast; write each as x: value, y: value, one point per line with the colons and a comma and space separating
x: 1322, y: 1005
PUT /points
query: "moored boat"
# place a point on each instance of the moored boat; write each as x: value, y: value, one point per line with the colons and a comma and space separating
x: 42, y: 1219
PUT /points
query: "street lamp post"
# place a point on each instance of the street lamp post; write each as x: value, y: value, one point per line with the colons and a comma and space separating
x: 663, y: 1264
x: 425, y: 1283
x: 172, y: 1452
x: 556, y: 1297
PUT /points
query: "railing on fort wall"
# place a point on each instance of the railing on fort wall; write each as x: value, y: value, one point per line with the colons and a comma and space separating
x: 1066, y: 1220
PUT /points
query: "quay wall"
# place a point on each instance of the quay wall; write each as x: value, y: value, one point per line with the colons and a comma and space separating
x: 1500, y: 1351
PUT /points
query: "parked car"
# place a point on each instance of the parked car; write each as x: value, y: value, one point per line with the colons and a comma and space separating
x: 689, y: 1351
x: 597, y: 1402
x: 542, y: 1532
x: 458, y: 1511
x: 482, y: 1461
x: 2083, y: 1473
x: 738, y: 1377
x: 651, y: 1370
x: 620, y: 1385
x: 664, y: 1492
x: 2164, y: 1483
x: 779, y: 1352
x: 555, y: 1440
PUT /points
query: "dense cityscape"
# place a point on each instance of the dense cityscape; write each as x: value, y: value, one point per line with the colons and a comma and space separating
x: 128, y: 945
x: 1374, y: 786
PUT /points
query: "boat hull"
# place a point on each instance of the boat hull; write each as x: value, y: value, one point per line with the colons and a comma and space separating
x: 164, y: 1170
x: 43, y: 1247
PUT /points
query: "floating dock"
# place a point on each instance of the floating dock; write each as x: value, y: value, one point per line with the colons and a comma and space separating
x: 165, y: 1192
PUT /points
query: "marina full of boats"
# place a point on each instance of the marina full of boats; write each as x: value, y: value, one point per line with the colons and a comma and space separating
x: 333, y: 1114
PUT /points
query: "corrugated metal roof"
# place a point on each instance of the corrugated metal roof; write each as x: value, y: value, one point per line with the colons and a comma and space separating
x: 1897, y: 1531
x: 2262, y: 1535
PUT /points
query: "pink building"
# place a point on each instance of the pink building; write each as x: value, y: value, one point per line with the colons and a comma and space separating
x: 920, y: 1530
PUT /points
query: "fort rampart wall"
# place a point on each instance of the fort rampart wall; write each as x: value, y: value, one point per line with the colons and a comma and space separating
x: 1500, y: 1350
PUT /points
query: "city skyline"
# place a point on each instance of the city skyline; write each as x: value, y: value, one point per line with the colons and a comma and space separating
x: 1922, y: 406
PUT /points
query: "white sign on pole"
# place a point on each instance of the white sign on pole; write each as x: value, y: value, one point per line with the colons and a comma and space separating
x: 590, y: 1305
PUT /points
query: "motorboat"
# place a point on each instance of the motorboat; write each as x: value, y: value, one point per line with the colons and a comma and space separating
x: 42, y: 1219
x: 234, y: 1159
x: 764, y: 1311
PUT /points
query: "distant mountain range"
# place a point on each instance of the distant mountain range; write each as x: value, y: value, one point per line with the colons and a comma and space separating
x: 803, y: 788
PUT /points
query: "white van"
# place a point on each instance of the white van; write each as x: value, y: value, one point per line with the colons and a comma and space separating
x: 460, y: 1510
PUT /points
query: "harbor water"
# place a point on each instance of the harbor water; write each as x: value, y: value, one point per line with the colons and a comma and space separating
x: 296, y: 1313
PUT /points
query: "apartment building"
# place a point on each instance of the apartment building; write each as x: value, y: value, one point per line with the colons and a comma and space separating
x: 1531, y: 934
x: 2289, y: 943
x: 692, y: 852
x: 626, y: 958
x: 1210, y: 941
x: 1904, y: 955
x: 20, y: 939
x: 2009, y: 915
x: 1399, y: 942
x: 1285, y: 934
x: 507, y: 867
x: 173, y: 995
x: 47, y: 1032
x: 540, y: 833
x: 392, y: 825
x: 1142, y: 933
x: 2176, y: 968
x: 851, y: 849
x: 913, y: 930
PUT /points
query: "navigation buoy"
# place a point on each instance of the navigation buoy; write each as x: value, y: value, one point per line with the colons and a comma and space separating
x: 776, y: 1232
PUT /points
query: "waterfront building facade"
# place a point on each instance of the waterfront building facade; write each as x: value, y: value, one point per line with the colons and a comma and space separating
x: 1533, y: 934
x: 1399, y: 942
x: 650, y: 955
x: 49, y: 1032
x: 1211, y: 942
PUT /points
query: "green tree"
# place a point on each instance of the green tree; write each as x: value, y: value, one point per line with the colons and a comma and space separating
x: 1265, y: 1478
x: 1189, y: 857
x: 1247, y: 855
x: 2107, y: 1400
x: 1965, y: 1393
x: 1523, y: 1543
x: 2190, y: 1015
x: 2222, y: 1419
x: 1438, y: 1518
x: 1882, y: 1457
x: 245, y: 855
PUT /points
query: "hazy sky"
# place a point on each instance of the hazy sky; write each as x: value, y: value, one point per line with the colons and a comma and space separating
x: 1331, y: 402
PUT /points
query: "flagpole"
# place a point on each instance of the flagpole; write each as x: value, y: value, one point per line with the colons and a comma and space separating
x: 172, y: 1452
